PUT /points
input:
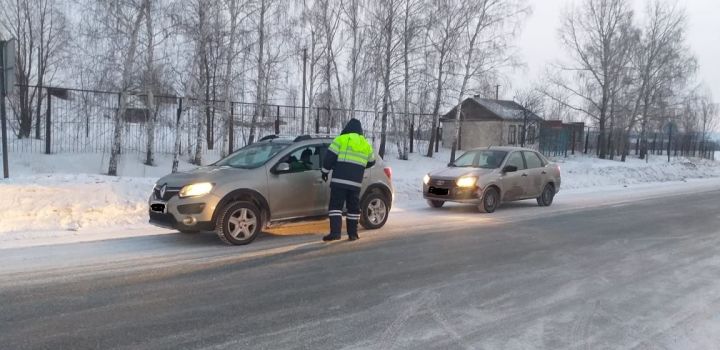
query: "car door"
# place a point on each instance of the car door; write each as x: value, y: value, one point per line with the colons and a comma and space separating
x: 300, y: 191
x: 536, y: 174
x: 513, y: 183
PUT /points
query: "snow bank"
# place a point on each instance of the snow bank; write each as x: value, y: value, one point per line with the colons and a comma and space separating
x: 61, y: 195
x: 70, y: 202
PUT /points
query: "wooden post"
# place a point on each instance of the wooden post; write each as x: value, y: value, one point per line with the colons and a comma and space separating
x: 412, y: 132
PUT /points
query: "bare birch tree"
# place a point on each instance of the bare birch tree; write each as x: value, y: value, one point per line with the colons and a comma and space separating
x: 485, y: 45
x: 443, y: 34
x: 596, y: 35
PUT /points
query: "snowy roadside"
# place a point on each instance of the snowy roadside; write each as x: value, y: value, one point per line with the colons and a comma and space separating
x: 72, y: 202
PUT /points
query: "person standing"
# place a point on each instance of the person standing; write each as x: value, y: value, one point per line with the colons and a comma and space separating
x: 348, y: 156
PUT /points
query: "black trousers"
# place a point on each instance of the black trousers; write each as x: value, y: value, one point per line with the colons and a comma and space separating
x: 351, y: 199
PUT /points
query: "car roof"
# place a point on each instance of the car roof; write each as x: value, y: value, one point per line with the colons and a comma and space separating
x: 503, y: 148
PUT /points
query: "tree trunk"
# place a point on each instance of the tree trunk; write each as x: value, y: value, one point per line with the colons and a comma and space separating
x: 436, y: 107
x: 126, y: 77
x: 259, y: 108
x: 149, y: 89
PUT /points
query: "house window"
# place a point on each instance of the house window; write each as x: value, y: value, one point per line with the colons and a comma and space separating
x: 531, y: 135
x: 512, y: 134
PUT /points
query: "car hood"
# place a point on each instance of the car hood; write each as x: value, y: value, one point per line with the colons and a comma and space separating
x: 201, y: 174
x: 456, y: 172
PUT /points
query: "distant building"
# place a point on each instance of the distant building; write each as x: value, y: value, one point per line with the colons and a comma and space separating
x: 489, y: 122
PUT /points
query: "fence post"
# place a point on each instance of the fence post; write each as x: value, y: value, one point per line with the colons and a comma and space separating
x: 48, y: 121
x: 412, y: 132
x: 277, y: 121
x: 438, y: 132
x: 231, y: 127
x: 317, y: 120
x: 587, y: 140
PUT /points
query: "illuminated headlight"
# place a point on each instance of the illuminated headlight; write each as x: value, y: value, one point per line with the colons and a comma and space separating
x: 426, y: 179
x: 466, y: 181
x: 195, y: 190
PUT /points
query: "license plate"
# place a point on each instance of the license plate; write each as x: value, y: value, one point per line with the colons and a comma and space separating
x: 438, y: 191
x: 157, y: 207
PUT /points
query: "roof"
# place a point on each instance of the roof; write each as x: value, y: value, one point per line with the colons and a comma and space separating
x: 503, y: 148
x: 476, y: 108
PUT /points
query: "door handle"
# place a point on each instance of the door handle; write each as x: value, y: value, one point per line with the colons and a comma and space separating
x: 544, y: 172
x: 524, y: 174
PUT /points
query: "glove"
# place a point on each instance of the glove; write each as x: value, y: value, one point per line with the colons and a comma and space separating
x: 324, y: 177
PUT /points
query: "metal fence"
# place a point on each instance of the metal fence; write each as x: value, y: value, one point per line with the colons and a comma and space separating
x: 569, y: 141
x: 82, y: 121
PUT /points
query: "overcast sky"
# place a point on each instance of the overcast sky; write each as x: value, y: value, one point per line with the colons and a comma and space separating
x: 539, y: 43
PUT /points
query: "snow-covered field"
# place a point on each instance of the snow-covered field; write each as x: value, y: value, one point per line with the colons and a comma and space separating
x: 65, y: 195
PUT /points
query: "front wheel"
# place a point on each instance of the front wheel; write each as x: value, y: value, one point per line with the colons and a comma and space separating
x: 547, y: 196
x: 239, y: 223
x: 490, y: 201
x: 374, y: 211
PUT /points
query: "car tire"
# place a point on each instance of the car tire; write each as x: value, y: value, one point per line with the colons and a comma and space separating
x: 434, y: 203
x: 490, y: 201
x: 239, y: 223
x: 547, y: 196
x: 374, y: 211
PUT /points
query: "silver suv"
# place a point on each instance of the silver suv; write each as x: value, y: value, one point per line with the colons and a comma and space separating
x: 272, y: 181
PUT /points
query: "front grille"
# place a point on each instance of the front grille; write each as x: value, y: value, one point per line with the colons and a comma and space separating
x: 169, y: 192
x: 442, y: 183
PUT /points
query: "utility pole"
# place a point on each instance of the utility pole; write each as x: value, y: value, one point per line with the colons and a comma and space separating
x: 302, y: 125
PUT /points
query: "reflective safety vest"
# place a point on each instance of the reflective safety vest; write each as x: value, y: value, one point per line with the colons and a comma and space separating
x: 348, y: 156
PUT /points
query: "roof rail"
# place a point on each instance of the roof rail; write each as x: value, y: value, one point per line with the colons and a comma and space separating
x: 312, y: 136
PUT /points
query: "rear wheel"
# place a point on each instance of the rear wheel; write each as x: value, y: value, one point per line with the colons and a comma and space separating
x: 374, y: 211
x: 239, y: 223
x: 490, y: 200
x: 547, y: 196
x: 434, y: 203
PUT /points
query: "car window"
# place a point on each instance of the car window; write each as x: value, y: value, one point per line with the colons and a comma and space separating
x: 533, y: 161
x: 303, y: 159
x: 516, y: 159
x: 488, y: 159
x: 252, y: 156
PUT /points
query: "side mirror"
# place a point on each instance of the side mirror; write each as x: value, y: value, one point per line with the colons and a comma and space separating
x: 451, y: 164
x: 282, y: 168
x: 509, y: 169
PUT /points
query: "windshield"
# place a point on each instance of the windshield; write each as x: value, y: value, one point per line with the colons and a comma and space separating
x: 487, y: 159
x: 252, y: 156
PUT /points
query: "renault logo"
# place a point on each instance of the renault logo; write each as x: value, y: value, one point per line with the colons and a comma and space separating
x: 162, y: 191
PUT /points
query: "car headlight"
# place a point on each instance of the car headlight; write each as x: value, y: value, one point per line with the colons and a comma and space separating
x: 426, y: 179
x: 466, y: 181
x: 195, y: 190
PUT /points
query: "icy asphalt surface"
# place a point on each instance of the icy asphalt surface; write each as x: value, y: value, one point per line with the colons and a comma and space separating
x: 620, y: 269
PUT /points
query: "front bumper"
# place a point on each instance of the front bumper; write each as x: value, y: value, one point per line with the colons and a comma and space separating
x: 192, y: 214
x: 454, y: 194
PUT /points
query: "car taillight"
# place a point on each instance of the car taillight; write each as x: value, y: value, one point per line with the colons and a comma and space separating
x: 388, y: 172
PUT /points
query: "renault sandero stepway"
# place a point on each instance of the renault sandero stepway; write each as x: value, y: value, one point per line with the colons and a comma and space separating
x: 269, y: 182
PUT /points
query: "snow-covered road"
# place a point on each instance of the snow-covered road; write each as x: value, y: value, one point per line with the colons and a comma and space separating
x: 626, y: 267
